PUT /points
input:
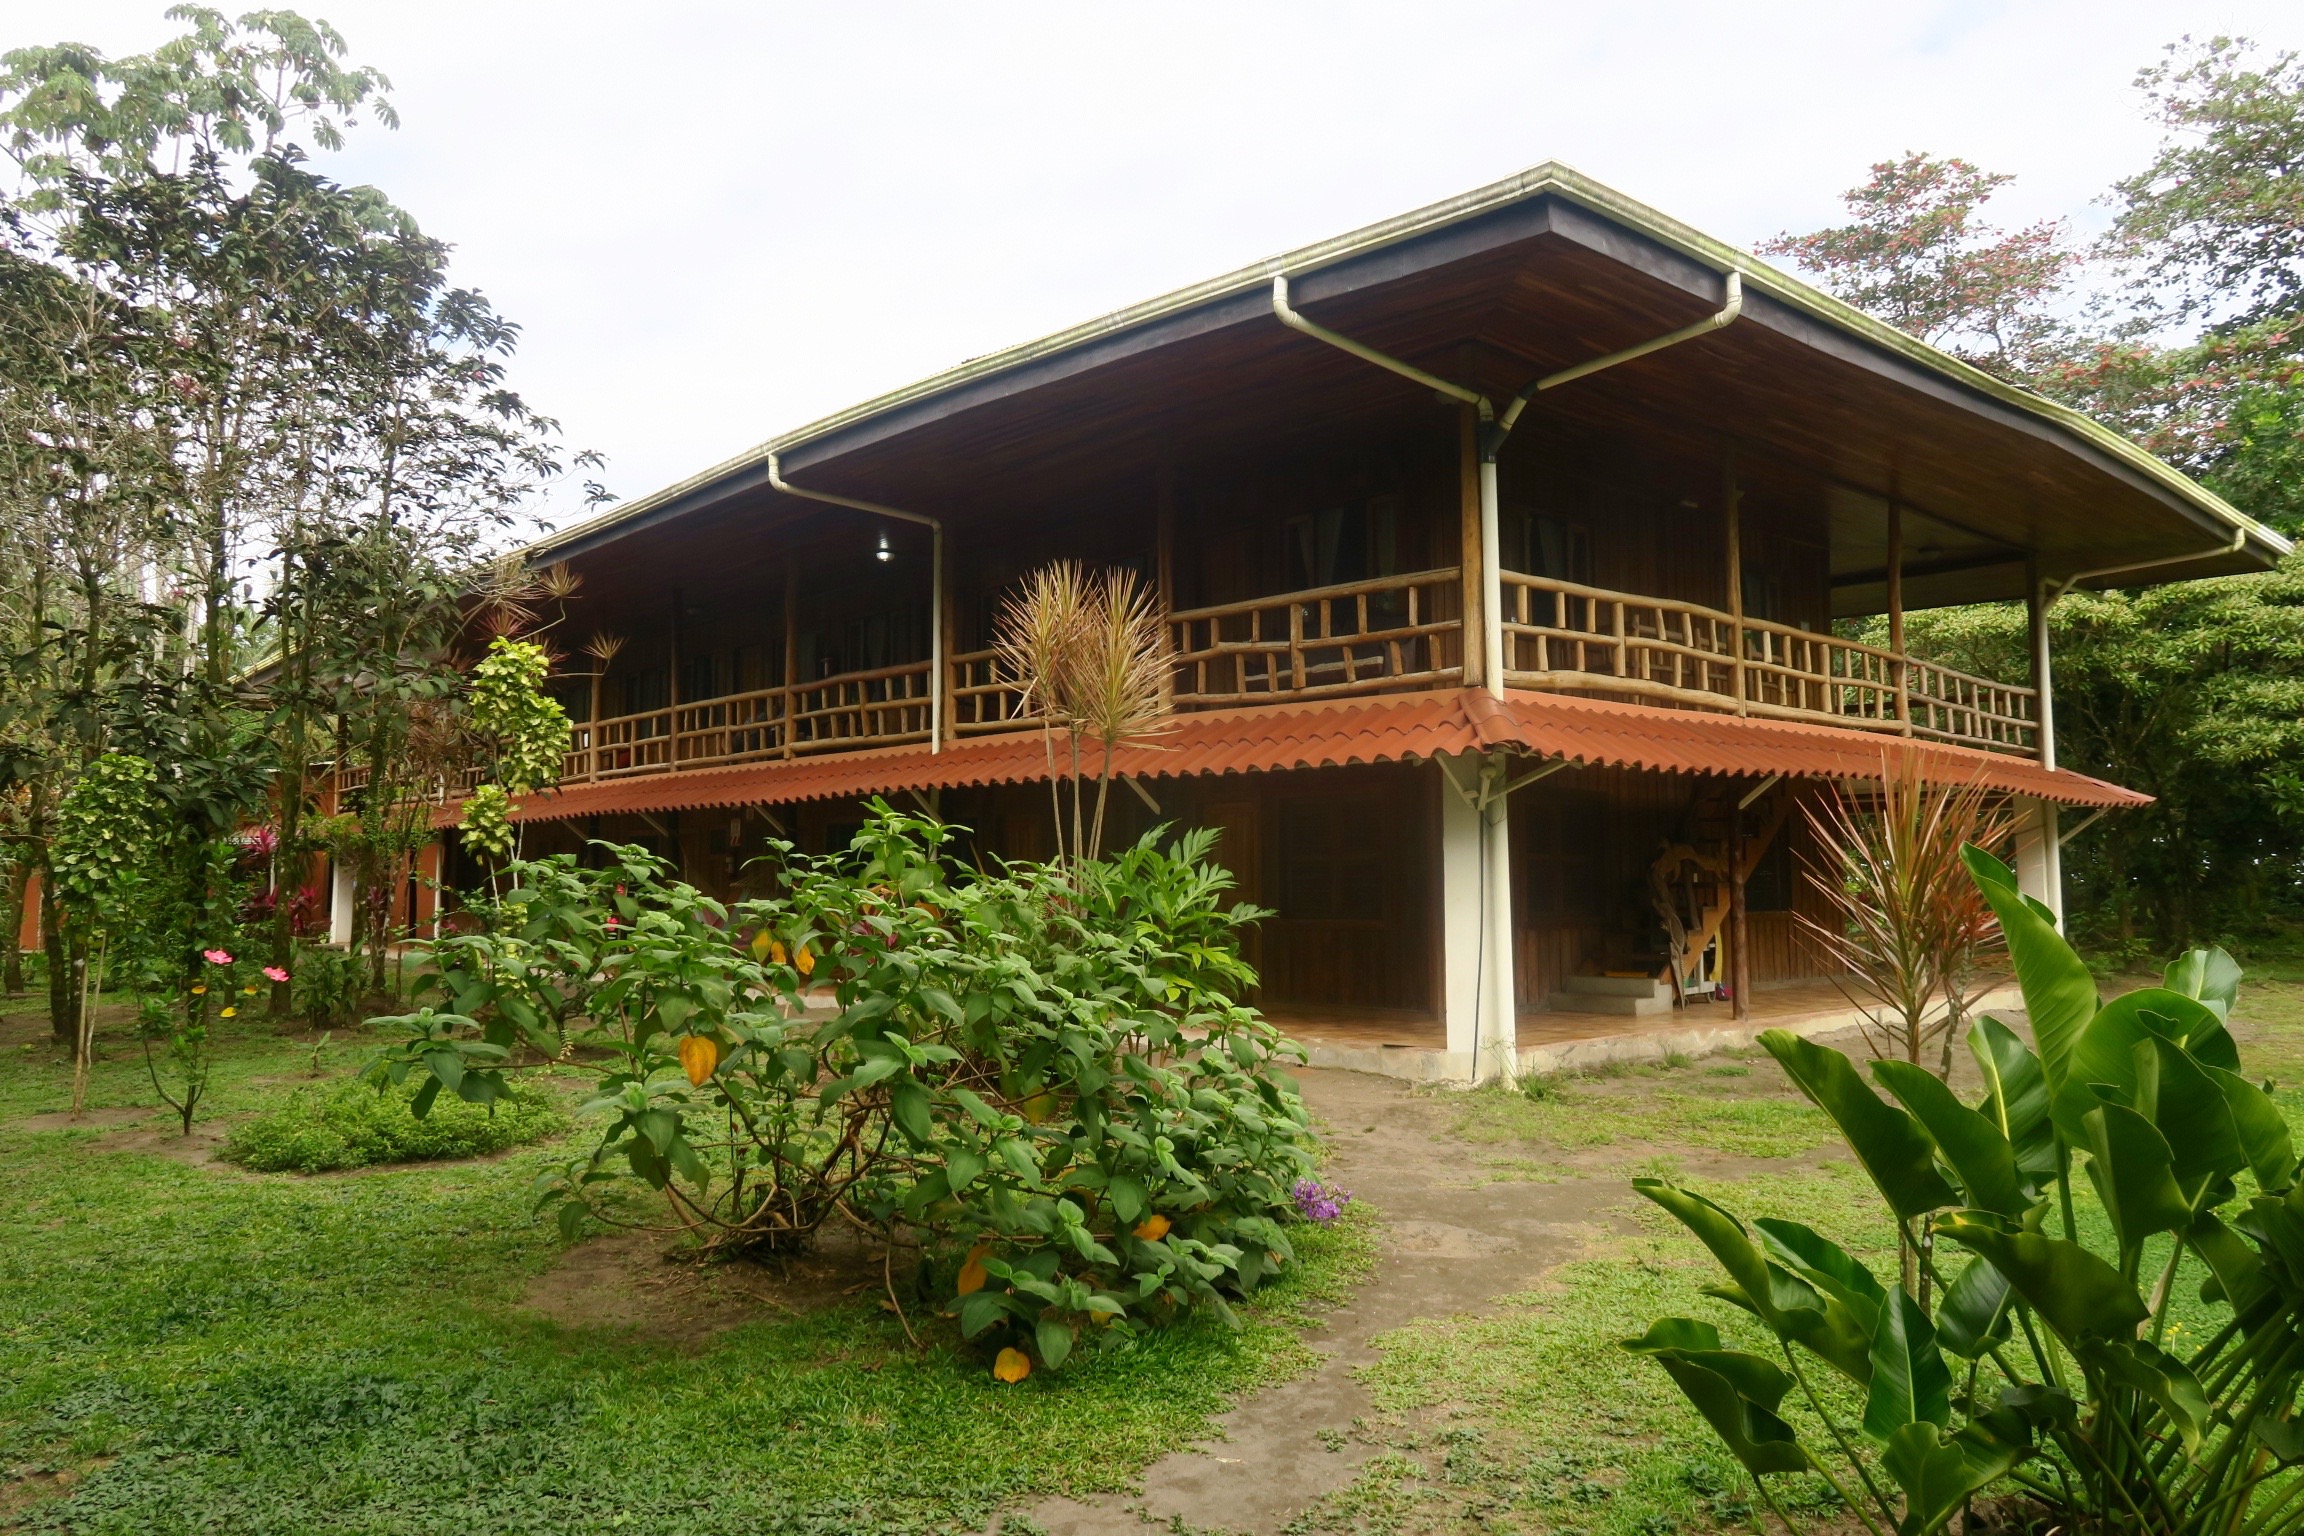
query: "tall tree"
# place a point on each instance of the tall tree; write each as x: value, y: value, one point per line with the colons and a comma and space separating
x: 1918, y: 254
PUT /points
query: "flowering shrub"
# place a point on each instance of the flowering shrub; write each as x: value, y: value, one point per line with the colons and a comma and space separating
x: 1317, y: 1205
x: 1044, y: 1078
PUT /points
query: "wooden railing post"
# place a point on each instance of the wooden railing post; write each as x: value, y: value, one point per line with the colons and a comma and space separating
x: 1733, y: 497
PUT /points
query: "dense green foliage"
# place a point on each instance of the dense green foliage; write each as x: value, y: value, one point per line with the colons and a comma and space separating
x: 1044, y: 1076
x: 352, y: 1125
x: 2046, y: 1370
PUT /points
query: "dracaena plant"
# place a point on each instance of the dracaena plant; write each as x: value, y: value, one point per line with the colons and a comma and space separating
x: 2034, y: 1367
x: 1040, y: 1080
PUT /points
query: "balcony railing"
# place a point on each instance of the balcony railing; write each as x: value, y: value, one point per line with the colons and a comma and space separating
x: 1381, y: 635
x: 879, y: 708
x: 1356, y: 637
x: 1560, y: 637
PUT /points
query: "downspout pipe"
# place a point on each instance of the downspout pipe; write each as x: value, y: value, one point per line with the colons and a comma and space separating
x: 935, y: 583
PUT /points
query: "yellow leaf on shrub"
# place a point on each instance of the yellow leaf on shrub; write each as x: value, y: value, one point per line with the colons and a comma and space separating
x: 1038, y: 1107
x: 972, y: 1274
x: 776, y: 952
x: 1152, y: 1228
x: 804, y: 960
x: 1012, y: 1366
x: 699, y: 1054
x: 762, y: 943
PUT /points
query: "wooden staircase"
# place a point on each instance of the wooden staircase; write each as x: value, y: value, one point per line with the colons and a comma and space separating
x: 1694, y: 871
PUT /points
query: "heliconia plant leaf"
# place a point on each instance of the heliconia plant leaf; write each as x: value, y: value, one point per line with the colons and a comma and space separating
x: 1979, y: 1155
x: 1940, y: 1472
x: 1886, y: 1140
x: 2060, y: 995
x: 1973, y: 1316
x: 1824, y: 1264
x: 1910, y: 1382
x: 1737, y: 1397
x: 2262, y: 1129
x: 2016, y: 1096
x: 2236, y: 1272
x: 2105, y: 1053
x: 2193, y: 1111
x: 2131, y: 1167
x: 1791, y: 1308
x: 2210, y: 975
x: 2074, y: 1292
x: 2163, y: 1380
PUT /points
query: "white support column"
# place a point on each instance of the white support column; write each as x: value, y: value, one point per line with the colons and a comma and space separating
x: 1476, y: 983
x: 339, y: 902
x: 1461, y: 834
x: 2040, y: 855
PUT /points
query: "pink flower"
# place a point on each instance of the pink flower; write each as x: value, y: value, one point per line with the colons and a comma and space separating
x: 216, y: 957
x: 274, y: 973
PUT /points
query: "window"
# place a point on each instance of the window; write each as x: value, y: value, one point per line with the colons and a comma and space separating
x: 1769, y: 887
x: 1540, y: 544
x: 1352, y: 542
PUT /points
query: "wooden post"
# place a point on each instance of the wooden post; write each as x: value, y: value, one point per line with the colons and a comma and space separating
x: 1739, y: 931
x: 1470, y: 645
x: 947, y: 623
x: 1732, y: 499
x: 592, y: 724
x: 791, y: 650
x: 2043, y: 673
x: 1896, y: 611
x: 672, y: 690
x: 1164, y: 568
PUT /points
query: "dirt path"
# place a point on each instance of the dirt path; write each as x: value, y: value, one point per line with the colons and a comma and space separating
x: 1451, y: 1243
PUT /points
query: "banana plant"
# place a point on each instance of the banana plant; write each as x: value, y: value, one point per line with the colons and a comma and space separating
x: 2024, y: 1361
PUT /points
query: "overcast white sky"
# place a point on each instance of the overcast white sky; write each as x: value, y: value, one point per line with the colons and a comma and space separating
x: 717, y: 222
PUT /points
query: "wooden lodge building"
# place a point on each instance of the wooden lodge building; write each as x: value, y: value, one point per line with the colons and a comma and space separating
x: 1501, y: 545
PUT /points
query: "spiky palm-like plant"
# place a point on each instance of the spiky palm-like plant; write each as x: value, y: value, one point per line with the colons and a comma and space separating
x: 1090, y: 656
x: 1907, y: 925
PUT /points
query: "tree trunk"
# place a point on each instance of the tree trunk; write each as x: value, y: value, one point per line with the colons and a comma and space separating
x: 11, y: 942
x: 63, y: 996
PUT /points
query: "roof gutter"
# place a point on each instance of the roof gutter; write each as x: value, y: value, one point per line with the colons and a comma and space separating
x: 935, y: 583
x: 2052, y: 590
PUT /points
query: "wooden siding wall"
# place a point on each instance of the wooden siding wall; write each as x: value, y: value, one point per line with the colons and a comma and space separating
x: 1232, y: 539
x: 1657, y: 528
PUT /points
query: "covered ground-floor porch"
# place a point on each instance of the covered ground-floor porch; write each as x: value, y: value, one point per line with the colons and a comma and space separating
x: 1448, y: 886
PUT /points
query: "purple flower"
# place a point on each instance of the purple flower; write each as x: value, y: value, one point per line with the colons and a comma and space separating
x: 1319, y: 1205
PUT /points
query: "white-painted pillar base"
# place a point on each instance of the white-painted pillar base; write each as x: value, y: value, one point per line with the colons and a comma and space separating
x: 339, y: 903
x: 2040, y: 855
x: 1477, y: 993
x: 1460, y: 913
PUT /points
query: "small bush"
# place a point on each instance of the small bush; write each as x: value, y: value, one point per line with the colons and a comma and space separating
x: 352, y: 1125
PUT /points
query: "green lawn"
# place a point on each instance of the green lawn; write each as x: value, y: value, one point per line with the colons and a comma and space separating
x: 199, y: 1348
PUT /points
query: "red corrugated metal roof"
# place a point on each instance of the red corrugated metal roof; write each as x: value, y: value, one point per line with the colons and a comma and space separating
x: 1386, y: 728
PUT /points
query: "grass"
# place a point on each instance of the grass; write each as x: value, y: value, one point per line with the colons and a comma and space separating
x: 199, y: 1348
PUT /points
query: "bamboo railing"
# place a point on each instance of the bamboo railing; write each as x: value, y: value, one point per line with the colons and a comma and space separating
x: 1389, y: 632
x: 1565, y: 638
x: 878, y: 708
x: 1380, y: 635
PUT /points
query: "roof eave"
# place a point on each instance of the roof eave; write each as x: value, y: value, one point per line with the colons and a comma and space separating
x: 1550, y: 178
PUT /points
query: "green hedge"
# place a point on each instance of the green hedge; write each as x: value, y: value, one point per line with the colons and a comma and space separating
x: 352, y: 1125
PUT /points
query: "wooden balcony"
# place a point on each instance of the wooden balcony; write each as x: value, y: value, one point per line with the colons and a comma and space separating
x: 849, y: 710
x: 1563, y: 638
x: 1383, y: 635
